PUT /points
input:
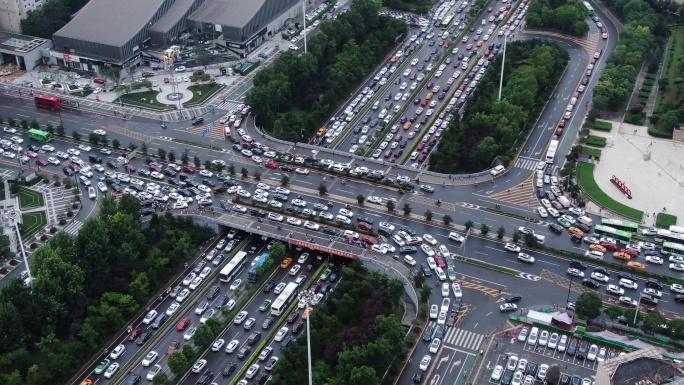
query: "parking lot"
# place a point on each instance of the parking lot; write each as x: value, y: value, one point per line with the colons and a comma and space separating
x: 528, y: 358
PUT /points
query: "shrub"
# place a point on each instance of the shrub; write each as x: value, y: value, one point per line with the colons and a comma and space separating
x: 597, y: 141
x: 653, y: 131
x: 679, y: 80
x: 603, y: 126
x: 593, y: 152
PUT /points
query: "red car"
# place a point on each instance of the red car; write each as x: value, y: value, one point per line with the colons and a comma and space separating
x: 99, y: 81
x: 175, y: 345
x: 271, y: 164
x: 609, y: 246
x: 365, y: 226
x: 559, y: 131
x: 30, y: 154
x: 42, y: 162
x: 155, y: 168
x: 439, y: 261
x: 369, y: 240
x: 167, y: 80
x: 130, y: 168
x: 188, y: 168
x: 134, y: 334
x: 183, y: 324
x: 630, y: 252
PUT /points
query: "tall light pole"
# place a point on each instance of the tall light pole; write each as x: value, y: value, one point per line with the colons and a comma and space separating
x: 305, y: 297
x: 569, y: 288
x: 304, y: 19
x: 503, y: 62
x: 636, y: 311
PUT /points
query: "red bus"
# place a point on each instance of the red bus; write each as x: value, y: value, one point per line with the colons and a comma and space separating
x: 47, y: 101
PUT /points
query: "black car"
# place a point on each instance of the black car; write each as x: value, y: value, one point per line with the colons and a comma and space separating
x: 652, y: 252
x: 625, y: 275
x: 144, y: 172
x: 427, y: 335
x: 408, y: 250
x: 205, y: 379
x: 169, y: 172
x: 67, y: 171
x: 417, y: 378
x: 229, y: 369
x: 333, y: 277
x: 213, y: 292
x: 603, y: 271
x: 244, y: 351
x: 513, y: 298
x: 531, y: 369
x: 679, y: 298
x: 426, y: 270
x: 147, y: 211
x: 576, y: 238
x: 507, y: 377
x: 583, y: 227
x: 269, y: 286
x: 297, y: 327
x: 268, y: 322
x: 253, y: 338
x: 362, y: 218
x: 144, y: 337
x: 654, y: 283
x: 578, y: 265
x: 197, y: 121
x: 331, y: 231
x: 582, y: 350
x: 590, y: 283
x: 133, y: 379
x: 222, y: 301
x: 292, y: 317
x: 556, y: 228
x: 111, y: 164
x: 572, y: 347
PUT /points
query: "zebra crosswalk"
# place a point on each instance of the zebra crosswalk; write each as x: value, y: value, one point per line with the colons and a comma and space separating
x: 462, y: 338
x: 526, y: 163
x: 73, y: 227
x: 215, y: 132
x: 228, y: 105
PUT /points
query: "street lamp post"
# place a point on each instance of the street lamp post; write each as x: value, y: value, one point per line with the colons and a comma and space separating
x: 636, y: 311
x: 569, y: 288
x: 304, y: 19
x: 503, y: 62
x: 306, y: 298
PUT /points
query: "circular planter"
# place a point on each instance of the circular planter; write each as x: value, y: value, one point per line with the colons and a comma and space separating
x: 75, y: 205
x: 34, y: 245
x: 44, y: 238
x: 70, y: 214
x: 62, y: 222
x: 54, y: 229
x: 57, y: 184
x: 14, y: 262
x: 3, y: 271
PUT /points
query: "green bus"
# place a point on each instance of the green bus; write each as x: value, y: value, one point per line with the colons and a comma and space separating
x: 621, y: 225
x: 607, y: 231
x: 40, y: 136
x: 670, y: 248
x: 588, y: 7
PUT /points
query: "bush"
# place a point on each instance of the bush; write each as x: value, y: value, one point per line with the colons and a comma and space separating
x: 603, y: 126
x: 655, y: 132
x: 679, y: 80
x: 597, y: 141
x: 666, y: 220
x: 593, y: 152
x: 633, y: 118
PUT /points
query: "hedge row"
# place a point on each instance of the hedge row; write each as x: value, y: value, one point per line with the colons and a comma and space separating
x: 603, y: 126
x: 597, y: 141
x: 655, y: 132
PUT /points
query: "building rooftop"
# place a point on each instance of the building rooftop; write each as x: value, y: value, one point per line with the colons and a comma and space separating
x: 110, y: 22
x: 172, y: 16
x: 645, y: 366
x: 20, y: 44
x: 234, y: 13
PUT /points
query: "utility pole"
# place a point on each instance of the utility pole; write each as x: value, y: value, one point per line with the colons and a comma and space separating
x: 503, y: 62
x: 304, y: 19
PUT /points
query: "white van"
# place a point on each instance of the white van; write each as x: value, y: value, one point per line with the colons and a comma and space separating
x: 414, y: 155
x: 573, y: 101
x: 497, y: 170
x: 593, y: 254
x: 586, y: 220
x: 376, y: 105
x: 409, y: 260
x: 534, y: 335
x: 343, y: 219
x: 338, y: 167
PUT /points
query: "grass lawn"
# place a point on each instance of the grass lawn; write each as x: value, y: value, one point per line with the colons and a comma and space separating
x: 666, y: 220
x: 588, y: 184
x: 202, y: 92
x: 30, y: 198
x: 593, y: 152
x: 32, y: 223
x: 673, y: 58
x: 82, y: 93
x: 145, y: 99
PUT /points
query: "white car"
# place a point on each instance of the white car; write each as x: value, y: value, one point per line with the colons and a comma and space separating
x: 677, y: 266
x: 294, y: 221
x: 647, y: 245
x: 374, y: 199
x: 282, y: 332
x: 677, y: 288
x: 543, y: 338
x: 149, y: 358
x: 311, y: 225
x: 443, y: 250
x: 217, y: 345
x: 206, y: 173
x: 151, y: 315
x: 614, y: 289
x: 429, y: 239
x: 628, y: 301
x: 654, y: 259
x: 198, y: 366
x: 575, y: 272
x: 84, y: 147
x: 299, y: 202
x: 347, y: 213
x: 53, y: 161
x: 301, y: 170
x: 424, y: 363
x: 172, y: 309
x: 600, y: 277
x: 512, y: 247
x: 456, y: 288
x: 434, y: 345
x: 445, y: 290
x: 591, y: 240
x: 506, y: 307
x: 497, y: 373
x: 628, y: 283
x: 111, y: 370
x: 153, y: 372
x: 118, y: 351
x: 653, y: 292
x: 188, y: 335
x: 428, y: 251
x: 235, y: 284
x: 542, y: 212
x: 525, y: 258
x: 676, y: 259
x: 593, y: 352
x: 434, y: 311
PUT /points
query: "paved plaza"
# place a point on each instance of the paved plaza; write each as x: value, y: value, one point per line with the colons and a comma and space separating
x: 652, y: 168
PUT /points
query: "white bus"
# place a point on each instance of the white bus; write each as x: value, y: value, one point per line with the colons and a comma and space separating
x: 285, y: 299
x: 676, y: 229
x: 551, y: 152
x: 230, y: 270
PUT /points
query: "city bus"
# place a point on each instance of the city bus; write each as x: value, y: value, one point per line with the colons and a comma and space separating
x: 621, y: 225
x: 588, y: 7
x: 253, y: 273
x: 47, y: 101
x: 229, y: 272
x: 669, y: 236
x: 619, y: 235
x: 40, y: 136
x: 671, y: 248
x: 551, y: 152
x: 285, y: 299
x: 447, y: 21
x: 676, y: 229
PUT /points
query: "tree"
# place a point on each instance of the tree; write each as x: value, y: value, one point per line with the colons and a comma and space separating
x: 322, y: 189
x: 132, y: 146
x: 484, y: 229
x: 257, y: 174
x: 172, y: 156
x: 677, y: 328
x: 93, y: 138
x: 447, y: 220
x: 419, y: 279
x: 613, y: 312
x: 516, y: 236
x: 34, y: 124
x: 406, y: 209
x: 178, y: 363
x: 207, y: 164
x: 652, y: 322
x: 185, y: 158
x: 49, y: 128
x: 196, y: 161
x: 363, y: 375
x: 116, y: 144
x: 284, y: 180
x: 277, y: 251
x: 425, y: 293
x: 161, y: 153
x: 663, y: 83
x: 531, y: 240
x: 143, y: 147
x: 469, y: 225
x: 588, y: 305
x: 390, y: 205
x: 501, y: 232
x: 244, y: 172
x: 360, y: 198
x: 231, y: 169
x: 203, y: 337
x: 428, y: 215
x: 75, y: 135
x: 60, y: 130
x: 24, y: 124
x: 161, y: 378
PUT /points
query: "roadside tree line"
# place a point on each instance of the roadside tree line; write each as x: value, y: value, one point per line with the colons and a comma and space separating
x: 356, y: 335
x: 297, y: 93
x: 562, y: 15
x: 490, y: 127
x: 86, y: 288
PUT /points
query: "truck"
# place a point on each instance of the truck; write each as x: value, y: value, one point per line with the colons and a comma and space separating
x: 540, y: 238
x: 565, y: 202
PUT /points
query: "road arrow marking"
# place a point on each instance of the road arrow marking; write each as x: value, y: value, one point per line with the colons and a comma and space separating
x: 455, y: 364
x: 443, y: 359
